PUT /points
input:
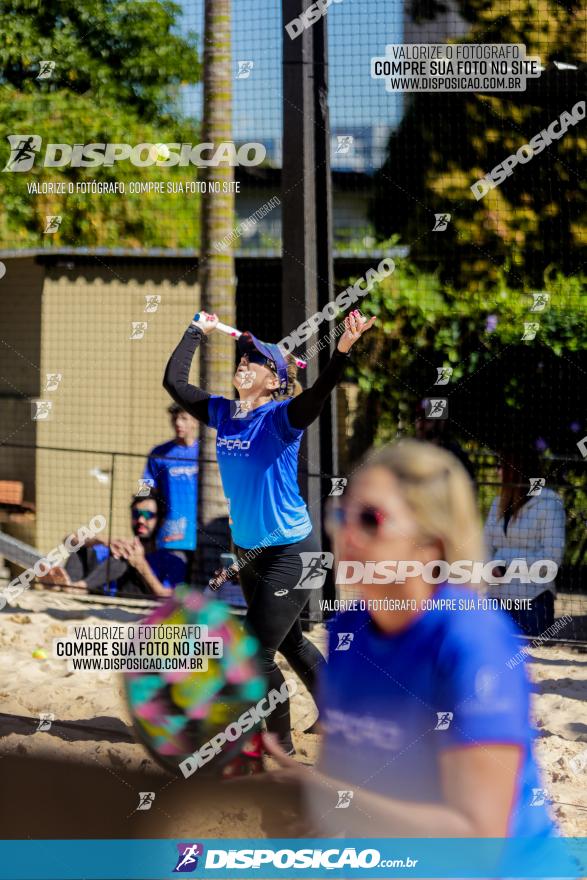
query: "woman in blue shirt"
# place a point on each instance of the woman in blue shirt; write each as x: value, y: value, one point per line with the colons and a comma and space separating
x: 258, y: 442
x: 425, y: 722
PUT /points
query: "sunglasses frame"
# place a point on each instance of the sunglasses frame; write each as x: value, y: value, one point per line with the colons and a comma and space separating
x: 147, y: 515
x: 260, y: 359
x: 337, y: 508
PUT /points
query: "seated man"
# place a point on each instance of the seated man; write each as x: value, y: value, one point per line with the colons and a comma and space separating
x: 130, y: 566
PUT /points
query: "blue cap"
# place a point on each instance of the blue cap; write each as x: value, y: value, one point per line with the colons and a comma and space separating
x: 271, y: 351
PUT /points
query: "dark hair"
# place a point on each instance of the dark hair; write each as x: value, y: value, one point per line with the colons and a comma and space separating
x: 174, y: 409
x: 518, y: 466
x: 151, y: 495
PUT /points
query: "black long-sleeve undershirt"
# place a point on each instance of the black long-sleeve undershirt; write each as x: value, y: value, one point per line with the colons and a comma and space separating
x: 302, y: 410
x: 307, y: 406
x: 177, y: 372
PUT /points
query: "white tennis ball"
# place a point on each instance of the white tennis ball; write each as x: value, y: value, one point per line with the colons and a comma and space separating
x: 2, y: 270
x: 159, y: 152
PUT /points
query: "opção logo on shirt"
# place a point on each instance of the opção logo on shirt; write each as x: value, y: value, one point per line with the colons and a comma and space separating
x: 230, y: 444
x: 357, y: 729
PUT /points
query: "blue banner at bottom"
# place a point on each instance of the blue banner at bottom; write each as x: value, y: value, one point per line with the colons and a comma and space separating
x: 308, y: 858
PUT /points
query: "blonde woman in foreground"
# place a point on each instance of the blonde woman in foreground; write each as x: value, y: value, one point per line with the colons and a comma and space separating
x: 425, y: 724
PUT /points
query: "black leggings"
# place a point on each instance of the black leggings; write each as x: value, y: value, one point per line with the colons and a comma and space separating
x: 275, y: 620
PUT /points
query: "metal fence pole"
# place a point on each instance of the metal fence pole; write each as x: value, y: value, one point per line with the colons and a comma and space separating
x: 329, y: 463
x: 306, y: 222
x: 110, y: 513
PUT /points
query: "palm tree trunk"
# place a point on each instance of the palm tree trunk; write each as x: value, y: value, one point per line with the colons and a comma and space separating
x: 216, y: 272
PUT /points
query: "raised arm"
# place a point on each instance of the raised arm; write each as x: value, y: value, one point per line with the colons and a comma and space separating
x: 176, y: 379
x: 307, y: 406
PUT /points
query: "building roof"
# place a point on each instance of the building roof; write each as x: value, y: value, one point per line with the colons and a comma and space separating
x: 64, y: 251
x: 53, y: 253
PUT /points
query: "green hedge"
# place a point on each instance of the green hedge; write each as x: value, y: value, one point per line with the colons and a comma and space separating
x: 503, y: 390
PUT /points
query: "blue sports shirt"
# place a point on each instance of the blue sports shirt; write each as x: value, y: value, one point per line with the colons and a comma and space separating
x: 168, y: 568
x: 173, y: 470
x: 391, y: 704
x: 258, y: 460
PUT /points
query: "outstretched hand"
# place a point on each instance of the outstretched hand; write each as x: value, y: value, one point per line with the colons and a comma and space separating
x: 56, y: 576
x: 222, y: 576
x: 206, y: 323
x: 314, y: 785
x: 355, y: 325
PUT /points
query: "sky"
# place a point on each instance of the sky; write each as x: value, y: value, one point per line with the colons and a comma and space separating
x: 357, y: 30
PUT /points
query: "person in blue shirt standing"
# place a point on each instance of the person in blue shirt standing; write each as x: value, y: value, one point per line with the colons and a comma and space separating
x: 258, y: 442
x: 425, y: 717
x: 172, y: 470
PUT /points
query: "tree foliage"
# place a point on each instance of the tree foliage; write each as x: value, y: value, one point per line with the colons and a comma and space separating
x: 119, y: 67
x: 502, y: 387
x: 536, y: 218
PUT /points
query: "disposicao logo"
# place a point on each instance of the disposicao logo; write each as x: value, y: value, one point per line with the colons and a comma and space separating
x: 188, y: 857
x: 24, y: 149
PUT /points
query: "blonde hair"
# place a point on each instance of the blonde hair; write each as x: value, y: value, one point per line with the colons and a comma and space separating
x: 439, y: 492
x: 293, y: 386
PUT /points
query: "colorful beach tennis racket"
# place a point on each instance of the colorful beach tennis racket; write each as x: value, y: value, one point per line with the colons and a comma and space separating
x: 177, y: 712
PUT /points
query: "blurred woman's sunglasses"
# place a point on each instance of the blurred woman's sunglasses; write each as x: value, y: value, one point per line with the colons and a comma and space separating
x: 362, y: 516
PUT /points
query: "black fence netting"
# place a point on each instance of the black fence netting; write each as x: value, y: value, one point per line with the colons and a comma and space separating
x: 142, y: 182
